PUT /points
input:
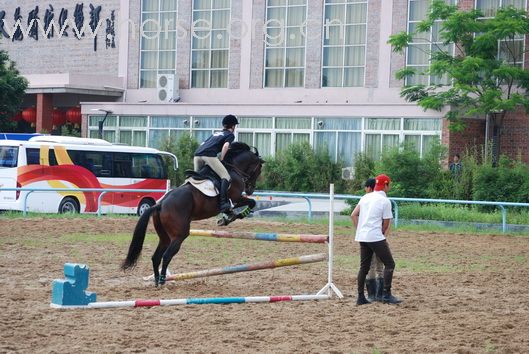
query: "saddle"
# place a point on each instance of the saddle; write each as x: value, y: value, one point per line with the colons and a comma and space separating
x: 205, y: 180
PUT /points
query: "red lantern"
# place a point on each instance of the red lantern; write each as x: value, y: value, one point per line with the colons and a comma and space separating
x: 58, y: 117
x: 73, y: 115
x: 30, y: 115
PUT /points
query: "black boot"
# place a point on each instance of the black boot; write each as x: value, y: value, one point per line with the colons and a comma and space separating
x: 371, y: 286
x: 380, y: 289
x: 387, y: 298
x: 225, y: 206
x: 361, y: 299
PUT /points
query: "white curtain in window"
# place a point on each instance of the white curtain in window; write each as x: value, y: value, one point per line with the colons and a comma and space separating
x: 338, y: 123
x: 168, y: 122
x: 300, y: 138
x: 219, y: 59
x: 332, y: 77
x: 356, y: 13
x: 274, y: 77
x: 293, y: 123
x: 139, y: 138
x: 413, y: 141
x: 125, y: 121
x: 427, y: 141
x: 245, y: 138
x: 157, y: 137
x: 349, y: 145
x: 488, y: 7
x: 220, y: 19
x: 354, y: 77
x: 428, y: 124
x: 334, y: 13
x: 326, y: 141
x: 150, y: 5
x: 419, y: 9
x: 355, y: 34
x: 283, y: 140
x: 296, y: 15
x: 263, y: 143
x: 373, y: 146
x: 383, y: 124
x: 256, y: 122
x: 519, y: 4
x: 125, y: 137
x: 390, y: 141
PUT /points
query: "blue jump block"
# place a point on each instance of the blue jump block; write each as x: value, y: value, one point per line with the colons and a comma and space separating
x: 72, y: 290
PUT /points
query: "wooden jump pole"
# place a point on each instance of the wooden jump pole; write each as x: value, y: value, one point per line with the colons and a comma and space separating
x: 313, y: 258
x: 261, y: 236
x: 191, y: 301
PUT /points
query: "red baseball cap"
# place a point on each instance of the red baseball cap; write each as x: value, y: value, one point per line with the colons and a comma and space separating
x: 381, y: 181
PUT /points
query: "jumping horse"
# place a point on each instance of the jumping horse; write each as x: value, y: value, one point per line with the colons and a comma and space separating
x: 173, y: 214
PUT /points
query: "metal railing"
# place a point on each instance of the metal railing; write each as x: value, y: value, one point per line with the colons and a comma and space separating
x: 103, y: 191
x: 309, y: 196
x: 306, y: 196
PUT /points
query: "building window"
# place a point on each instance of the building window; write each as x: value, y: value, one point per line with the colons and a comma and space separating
x: 490, y: 7
x: 344, y: 43
x: 382, y: 134
x: 340, y: 137
x: 210, y: 49
x: 285, y: 43
x: 158, y: 40
x: 511, y: 51
x: 419, y: 51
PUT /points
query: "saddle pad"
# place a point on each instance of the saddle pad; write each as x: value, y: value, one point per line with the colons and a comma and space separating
x: 206, y: 187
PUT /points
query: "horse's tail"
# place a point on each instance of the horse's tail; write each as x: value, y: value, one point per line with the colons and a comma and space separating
x: 138, y: 237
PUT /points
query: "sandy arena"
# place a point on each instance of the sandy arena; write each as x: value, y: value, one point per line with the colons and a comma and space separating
x: 462, y: 293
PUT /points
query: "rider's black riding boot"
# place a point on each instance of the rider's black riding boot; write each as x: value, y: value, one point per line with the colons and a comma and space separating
x: 225, y: 206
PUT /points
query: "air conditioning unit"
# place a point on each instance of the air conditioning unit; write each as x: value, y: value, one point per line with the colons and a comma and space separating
x: 167, y: 88
x: 348, y: 173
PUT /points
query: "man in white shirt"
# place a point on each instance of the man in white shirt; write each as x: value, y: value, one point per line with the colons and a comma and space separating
x: 372, y: 218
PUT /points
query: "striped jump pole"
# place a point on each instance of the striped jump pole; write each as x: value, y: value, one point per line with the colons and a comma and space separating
x: 313, y: 258
x: 192, y: 301
x: 261, y: 236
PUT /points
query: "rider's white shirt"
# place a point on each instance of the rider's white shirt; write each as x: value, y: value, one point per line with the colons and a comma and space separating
x: 374, y: 207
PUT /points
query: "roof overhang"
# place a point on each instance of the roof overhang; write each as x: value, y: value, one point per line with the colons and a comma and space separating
x: 84, y: 84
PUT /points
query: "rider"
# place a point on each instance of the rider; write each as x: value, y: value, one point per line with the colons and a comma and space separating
x: 207, y: 152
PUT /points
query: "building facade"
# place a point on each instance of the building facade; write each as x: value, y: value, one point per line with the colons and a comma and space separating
x: 319, y: 71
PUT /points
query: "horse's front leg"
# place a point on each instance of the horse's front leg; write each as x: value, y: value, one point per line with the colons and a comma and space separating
x: 245, y: 201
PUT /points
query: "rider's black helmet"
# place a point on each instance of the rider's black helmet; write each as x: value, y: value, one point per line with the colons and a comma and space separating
x: 229, y: 121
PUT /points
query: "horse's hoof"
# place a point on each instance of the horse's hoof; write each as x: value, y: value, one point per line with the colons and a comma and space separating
x: 161, y: 280
x: 222, y: 222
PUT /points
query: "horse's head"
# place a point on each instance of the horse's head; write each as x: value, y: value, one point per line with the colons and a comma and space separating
x: 247, y: 162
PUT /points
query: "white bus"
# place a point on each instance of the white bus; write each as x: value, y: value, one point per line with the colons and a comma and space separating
x: 68, y: 162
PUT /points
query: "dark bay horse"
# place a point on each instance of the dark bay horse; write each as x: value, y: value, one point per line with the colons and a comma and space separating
x: 173, y: 214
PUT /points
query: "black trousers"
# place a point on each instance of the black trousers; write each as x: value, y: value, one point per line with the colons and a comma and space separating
x: 381, y: 249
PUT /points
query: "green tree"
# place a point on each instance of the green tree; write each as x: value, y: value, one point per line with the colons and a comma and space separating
x: 477, y: 81
x: 12, y: 88
x: 184, y: 149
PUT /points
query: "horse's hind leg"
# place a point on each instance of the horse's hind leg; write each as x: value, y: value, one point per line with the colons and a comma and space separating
x: 163, y: 244
x: 169, y: 253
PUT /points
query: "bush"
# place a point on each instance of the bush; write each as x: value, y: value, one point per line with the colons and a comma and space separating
x: 364, y: 168
x: 509, y: 181
x: 411, y: 175
x: 184, y: 149
x: 301, y: 169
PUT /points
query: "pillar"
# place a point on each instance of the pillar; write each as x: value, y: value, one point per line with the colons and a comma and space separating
x: 44, y: 111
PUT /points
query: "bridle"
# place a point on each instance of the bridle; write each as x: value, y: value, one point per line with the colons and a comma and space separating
x: 247, y: 178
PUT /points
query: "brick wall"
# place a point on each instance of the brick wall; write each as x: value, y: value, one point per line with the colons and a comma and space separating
x: 515, y: 138
x: 66, y: 54
x: 473, y: 136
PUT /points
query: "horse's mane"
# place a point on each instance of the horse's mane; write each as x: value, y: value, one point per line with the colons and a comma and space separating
x: 235, y: 149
